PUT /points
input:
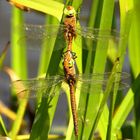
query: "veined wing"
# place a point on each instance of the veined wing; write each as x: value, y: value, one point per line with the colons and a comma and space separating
x: 32, y: 87
x: 96, y: 83
x: 49, y: 31
x: 97, y: 34
x: 107, y: 39
x: 37, y: 35
x: 43, y: 31
x: 95, y: 80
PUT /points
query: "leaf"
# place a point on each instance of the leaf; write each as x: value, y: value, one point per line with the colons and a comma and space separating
x: 3, y: 130
x: 21, y: 109
x: 136, y: 90
x: 6, y: 111
x: 3, y: 54
x: 52, y: 7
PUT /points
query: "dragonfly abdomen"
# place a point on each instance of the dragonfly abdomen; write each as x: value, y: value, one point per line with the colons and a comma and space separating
x: 73, y: 107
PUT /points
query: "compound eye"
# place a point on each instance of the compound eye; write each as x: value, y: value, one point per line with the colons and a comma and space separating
x: 69, y: 11
x: 71, y: 63
x: 74, y: 55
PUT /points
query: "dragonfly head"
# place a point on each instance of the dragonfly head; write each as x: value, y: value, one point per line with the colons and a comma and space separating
x: 69, y: 11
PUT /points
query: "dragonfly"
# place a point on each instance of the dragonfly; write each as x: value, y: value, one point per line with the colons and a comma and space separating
x: 19, y: 6
x: 70, y: 32
x: 35, y: 34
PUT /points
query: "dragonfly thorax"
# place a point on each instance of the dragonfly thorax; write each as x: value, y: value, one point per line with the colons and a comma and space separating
x: 69, y: 65
x: 70, y: 28
x: 70, y: 24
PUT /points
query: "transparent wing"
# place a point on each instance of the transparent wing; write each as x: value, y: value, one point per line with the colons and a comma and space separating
x: 35, y: 35
x: 97, y: 34
x: 96, y: 80
x: 43, y: 31
x: 32, y: 87
x: 38, y: 36
x: 95, y: 84
x: 103, y: 39
x: 49, y: 31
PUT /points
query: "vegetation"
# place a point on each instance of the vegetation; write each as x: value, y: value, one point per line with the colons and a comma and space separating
x: 98, y: 119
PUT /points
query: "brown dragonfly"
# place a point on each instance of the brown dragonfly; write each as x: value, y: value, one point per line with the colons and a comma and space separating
x: 69, y: 32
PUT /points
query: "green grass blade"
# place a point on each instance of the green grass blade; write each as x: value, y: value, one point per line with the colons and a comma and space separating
x: 134, y: 41
x: 100, y: 59
x: 52, y: 7
x: 47, y: 109
x: 103, y: 123
x: 18, y: 52
x: 136, y: 91
x: 18, y: 64
x: 125, y: 28
x: 123, y: 110
x: 41, y: 124
x: 52, y: 70
x: 106, y: 94
x: 106, y: 23
x: 127, y: 103
x: 126, y: 106
x: 47, y: 48
x: 46, y: 51
x: 3, y: 54
x: 93, y: 13
x: 112, y: 105
x: 3, y: 131
x: 45, y: 114
x: 44, y: 107
x: 20, y: 113
x: 126, y: 21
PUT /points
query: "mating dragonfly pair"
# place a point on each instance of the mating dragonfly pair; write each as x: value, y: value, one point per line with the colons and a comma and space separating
x: 69, y: 32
